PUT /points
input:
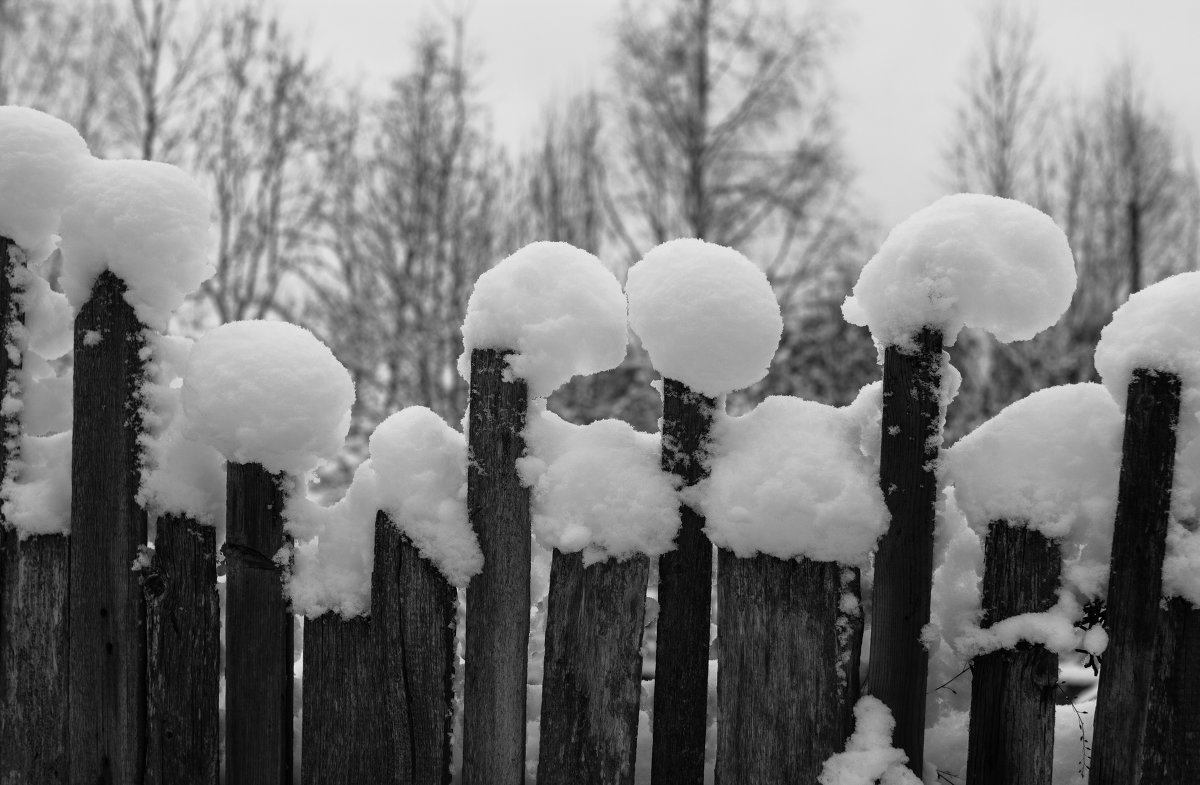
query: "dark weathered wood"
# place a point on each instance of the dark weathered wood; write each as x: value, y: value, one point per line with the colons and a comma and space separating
x: 497, y: 598
x: 107, y: 611
x: 33, y: 601
x: 684, y: 601
x: 592, y: 676
x: 258, y: 632
x: 784, y: 689
x: 183, y: 637
x: 1135, y: 581
x: 899, y: 662
x: 413, y: 612
x: 1172, y: 750
x: 33, y: 653
x: 343, y: 734
x: 1012, y: 691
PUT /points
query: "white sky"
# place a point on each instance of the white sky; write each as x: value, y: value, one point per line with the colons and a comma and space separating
x: 898, y: 67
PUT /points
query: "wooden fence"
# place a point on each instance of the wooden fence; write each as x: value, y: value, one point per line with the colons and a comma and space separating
x: 111, y: 675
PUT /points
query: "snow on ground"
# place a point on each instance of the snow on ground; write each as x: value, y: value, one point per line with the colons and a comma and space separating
x: 967, y: 260
x: 148, y: 223
x: 557, y: 307
x: 267, y: 393
x: 706, y: 315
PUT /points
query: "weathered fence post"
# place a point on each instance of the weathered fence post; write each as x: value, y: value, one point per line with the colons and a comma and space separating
x: 789, y: 666
x: 899, y: 662
x: 108, y: 528
x: 1173, y: 727
x: 413, y: 612
x: 183, y: 634
x: 497, y: 598
x: 1012, y: 690
x: 33, y: 603
x: 684, y: 600
x: 378, y: 691
x: 258, y: 632
x: 1122, y: 751
x: 592, y: 675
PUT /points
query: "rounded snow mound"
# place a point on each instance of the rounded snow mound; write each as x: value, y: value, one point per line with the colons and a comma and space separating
x: 148, y: 223
x: 267, y: 393
x: 967, y: 260
x: 557, y: 307
x: 790, y: 480
x: 39, y: 155
x: 706, y: 314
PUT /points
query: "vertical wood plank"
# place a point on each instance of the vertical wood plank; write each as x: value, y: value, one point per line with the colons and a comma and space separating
x: 684, y: 601
x: 783, y: 687
x: 592, y: 675
x: 899, y: 662
x: 498, y: 598
x: 258, y: 632
x: 107, y: 611
x: 183, y: 633
x: 343, y: 734
x: 1011, y: 738
x: 413, y: 613
x: 1135, y: 581
x: 1173, y: 725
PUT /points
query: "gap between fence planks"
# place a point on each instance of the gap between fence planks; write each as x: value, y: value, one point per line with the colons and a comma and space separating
x: 592, y: 674
x: 1012, y: 690
x: 788, y: 677
x: 1127, y: 676
x: 497, y: 634
x: 258, y: 631
x: 899, y: 662
x: 183, y: 634
x: 33, y: 603
x: 684, y: 600
x: 107, y: 682
x: 378, y: 690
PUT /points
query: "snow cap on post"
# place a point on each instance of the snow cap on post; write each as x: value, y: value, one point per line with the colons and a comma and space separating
x: 790, y: 480
x: 421, y: 463
x: 39, y: 156
x: 148, y: 223
x: 267, y: 393
x: 556, y: 306
x: 967, y: 260
x: 1050, y: 461
x: 706, y: 314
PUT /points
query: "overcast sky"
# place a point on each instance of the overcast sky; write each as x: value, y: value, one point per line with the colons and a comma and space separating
x: 898, y: 67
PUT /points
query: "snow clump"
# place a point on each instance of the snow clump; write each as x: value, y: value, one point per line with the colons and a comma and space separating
x: 267, y: 393
x: 706, y: 314
x: 790, y: 479
x: 148, y: 223
x: 870, y: 757
x: 556, y: 306
x: 967, y: 260
x: 597, y: 488
x: 422, y: 467
x: 39, y: 156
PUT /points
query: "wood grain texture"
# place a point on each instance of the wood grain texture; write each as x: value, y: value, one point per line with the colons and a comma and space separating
x: 783, y: 644
x: 33, y: 603
x: 1011, y: 738
x: 33, y: 654
x: 498, y: 598
x: 899, y: 663
x: 1172, y: 751
x: 183, y: 633
x: 107, y: 611
x: 592, y: 675
x: 684, y: 601
x: 413, y: 610
x: 378, y: 691
x: 1134, y: 619
x: 258, y: 632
